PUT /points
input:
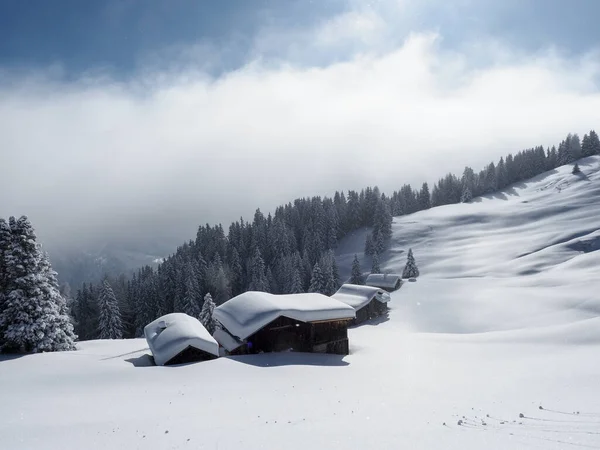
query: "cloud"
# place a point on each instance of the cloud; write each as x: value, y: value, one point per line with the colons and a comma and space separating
x: 169, y: 149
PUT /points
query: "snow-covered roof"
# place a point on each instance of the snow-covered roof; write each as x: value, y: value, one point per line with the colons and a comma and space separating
x: 225, y: 340
x: 249, y: 312
x: 383, y: 280
x: 360, y: 296
x: 171, y: 334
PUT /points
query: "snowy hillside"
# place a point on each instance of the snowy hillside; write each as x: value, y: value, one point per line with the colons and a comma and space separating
x: 496, y: 346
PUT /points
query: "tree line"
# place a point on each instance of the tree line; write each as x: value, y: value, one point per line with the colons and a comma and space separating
x: 292, y: 251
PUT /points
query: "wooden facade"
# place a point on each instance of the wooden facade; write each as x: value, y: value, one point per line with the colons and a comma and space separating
x: 373, y: 309
x: 285, y: 334
x: 190, y: 354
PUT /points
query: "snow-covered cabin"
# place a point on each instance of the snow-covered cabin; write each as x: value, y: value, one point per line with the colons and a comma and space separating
x: 367, y: 301
x: 178, y: 338
x: 388, y: 281
x: 255, y: 322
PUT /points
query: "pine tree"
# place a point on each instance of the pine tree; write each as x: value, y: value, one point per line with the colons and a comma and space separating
x: 576, y: 169
x: 5, y: 245
x: 594, y: 143
x: 110, y: 325
x: 356, y: 274
x: 369, y: 245
x: 206, y: 315
x: 258, y: 280
x: 586, y: 147
x: 34, y: 316
x: 317, y: 280
x: 235, y: 265
x: 191, y: 300
x: 375, y: 264
x: 410, y: 270
x: 424, y: 197
x: 296, y: 287
x: 85, y: 313
x: 466, y: 196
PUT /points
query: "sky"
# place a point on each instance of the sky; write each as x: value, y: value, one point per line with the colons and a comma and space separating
x: 133, y: 120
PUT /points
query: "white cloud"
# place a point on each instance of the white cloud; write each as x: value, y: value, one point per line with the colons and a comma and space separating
x: 168, y: 151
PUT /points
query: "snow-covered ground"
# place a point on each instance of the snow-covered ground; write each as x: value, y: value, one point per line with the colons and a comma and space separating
x: 504, y: 319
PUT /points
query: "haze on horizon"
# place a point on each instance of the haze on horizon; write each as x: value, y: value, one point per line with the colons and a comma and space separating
x: 130, y: 120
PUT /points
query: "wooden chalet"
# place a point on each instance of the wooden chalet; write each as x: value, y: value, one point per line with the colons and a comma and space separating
x: 368, y: 301
x: 258, y: 322
x: 178, y: 338
x: 387, y: 281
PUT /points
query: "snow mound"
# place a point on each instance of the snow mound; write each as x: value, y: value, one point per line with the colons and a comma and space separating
x: 171, y: 334
x: 360, y: 296
x: 249, y: 312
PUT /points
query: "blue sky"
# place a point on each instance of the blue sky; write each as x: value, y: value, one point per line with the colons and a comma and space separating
x: 123, y: 35
x: 118, y: 116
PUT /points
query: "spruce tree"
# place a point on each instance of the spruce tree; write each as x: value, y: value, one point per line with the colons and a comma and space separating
x: 258, y: 280
x: 110, y: 325
x: 369, y: 245
x: 576, y: 169
x: 317, y: 280
x: 594, y: 143
x: 375, y: 264
x: 356, y: 274
x: 410, y: 270
x: 191, y: 300
x: 206, y: 315
x: 586, y: 147
x: 296, y: 287
x: 34, y: 316
x: 466, y: 196
x: 5, y: 245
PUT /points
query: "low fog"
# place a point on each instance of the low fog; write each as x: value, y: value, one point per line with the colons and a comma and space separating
x: 154, y: 156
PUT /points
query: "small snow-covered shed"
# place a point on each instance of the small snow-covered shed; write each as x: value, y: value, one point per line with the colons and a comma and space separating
x: 255, y: 322
x: 178, y: 338
x: 388, y: 281
x: 367, y: 301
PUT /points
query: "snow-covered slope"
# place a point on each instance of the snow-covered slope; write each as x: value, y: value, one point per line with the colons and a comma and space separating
x: 504, y: 320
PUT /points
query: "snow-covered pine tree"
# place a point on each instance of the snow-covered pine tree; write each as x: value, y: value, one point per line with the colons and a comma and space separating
x: 575, y: 146
x: 110, y: 325
x: 61, y: 328
x: 217, y: 281
x: 466, y: 196
x: 410, y: 270
x: 34, y: 316
x: 317, y: 280
x: 576, y: 169
x: 85, y: 313
x: 235, y: 266
x: 594, y: 143
x: 296, y: 287
x: 191, y: 300
x: 375, y: 264
x: 206, y: 315
x: 369, y: 245
x: 424, y: 198
x: 258, y: 280
x: 330, y: 273
x: 5, y: 243
x: 586, y: 148
x: 356, y: 274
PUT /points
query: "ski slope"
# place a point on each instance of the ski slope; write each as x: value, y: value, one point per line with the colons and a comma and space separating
x: 501, y: 333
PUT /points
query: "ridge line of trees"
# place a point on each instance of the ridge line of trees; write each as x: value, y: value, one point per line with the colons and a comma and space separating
x: 292, y: 250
